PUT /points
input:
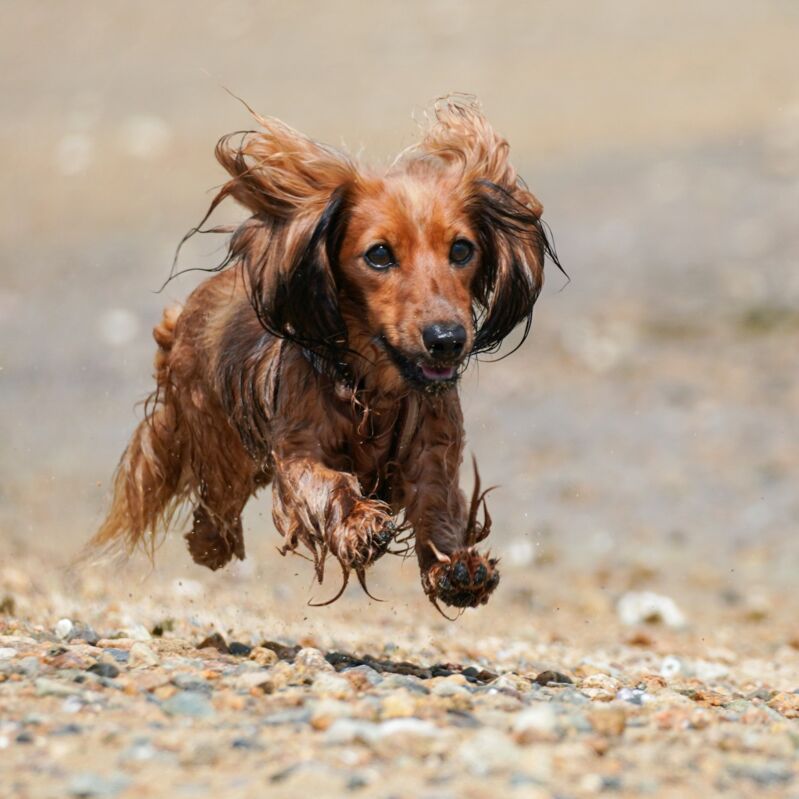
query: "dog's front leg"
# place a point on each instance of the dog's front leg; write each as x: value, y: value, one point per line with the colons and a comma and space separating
x: 325, y: 510
x: 444, y: 523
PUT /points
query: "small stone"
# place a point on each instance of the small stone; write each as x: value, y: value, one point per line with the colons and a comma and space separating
x: 47, y: 687
x: 397, y: 705
x: 600, y: 687
x: 325, y: 712
x: 199, y: 753
x: 63, y: 629
x: 137, y: 632
x: 311, y: 660
x: 450, y: 686
x: 191, y: 682
x: 254, y: 682
x: 104, y: 670
x: 7, y: 652
x: 537, y: 723
x: 511, y: 683
x: 141, y: 656
x: 489, y: 751
x: 89, y: 785
x: 553, y: 677
x: 332, y: 685
x: 188, y: 703
x: 362, y: 677
x: 671, y: 666
x: 639, y: 607
x: 635, y: 696
x: 29, y: 666
x: 214, y: 641
x: 610, y: 721
x: 263, y: 656
x: 119, y: 655
x: 238, y: 649
x: 786, y: 704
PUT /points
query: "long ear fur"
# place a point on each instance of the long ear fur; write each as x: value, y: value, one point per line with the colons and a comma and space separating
x: 506, y: 214
x: 296, y: 190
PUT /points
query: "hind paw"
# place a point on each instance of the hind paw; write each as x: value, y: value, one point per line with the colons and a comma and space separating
x: 211, y: 547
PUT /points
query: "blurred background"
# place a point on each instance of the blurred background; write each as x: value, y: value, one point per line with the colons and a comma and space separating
x: 650, y: 423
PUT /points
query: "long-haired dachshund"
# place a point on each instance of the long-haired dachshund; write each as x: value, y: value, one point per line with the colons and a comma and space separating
x: 323, y: 356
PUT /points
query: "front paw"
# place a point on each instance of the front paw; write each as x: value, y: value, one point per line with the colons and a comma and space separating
x: 463, y: 579
x: 364, y: 535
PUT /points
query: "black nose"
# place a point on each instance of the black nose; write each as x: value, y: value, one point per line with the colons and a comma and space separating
x: 444, y: 341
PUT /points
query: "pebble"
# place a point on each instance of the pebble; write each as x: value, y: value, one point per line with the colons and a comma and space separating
x: 263, y: 656
x: 141, y: 656
x: 188, y: 703
x: 610, y: 720
x: 488, y: 751
x: 63, y: 629
x: 7, y: 652
x: 102, y: 669
x: 647, y: 607
x: 255, y: 680
x: 363, y: 677
x: 449, y: 686
x: 311, y: 661
x: 90, y: 784
x: 326, y: 711
x: 538, y: 723
x: 397, y: 705
x: 600, y: 687
x: 332, y: 685
x: 49, y: 687
x: 552, y: 677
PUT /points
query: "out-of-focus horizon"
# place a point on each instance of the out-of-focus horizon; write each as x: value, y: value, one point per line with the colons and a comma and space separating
x: 655, y: 403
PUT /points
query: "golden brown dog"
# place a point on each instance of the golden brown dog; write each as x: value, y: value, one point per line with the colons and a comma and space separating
x: 324, y: 355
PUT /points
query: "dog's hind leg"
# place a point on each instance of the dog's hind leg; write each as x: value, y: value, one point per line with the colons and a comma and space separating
x: 224, y: 478
x: 148, y: 480
x: 217, y: 536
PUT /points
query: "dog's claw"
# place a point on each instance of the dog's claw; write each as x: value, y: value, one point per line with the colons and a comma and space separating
x: 466, y: 581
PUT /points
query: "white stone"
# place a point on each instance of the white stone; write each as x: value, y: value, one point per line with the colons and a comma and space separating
x: 141, y: 656
x: 538, y: 720
x: 638, y: 607
x: 63, y: 628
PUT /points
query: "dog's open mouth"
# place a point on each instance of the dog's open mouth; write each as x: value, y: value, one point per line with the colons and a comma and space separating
x: 430, y: 372
x: 421, y: 373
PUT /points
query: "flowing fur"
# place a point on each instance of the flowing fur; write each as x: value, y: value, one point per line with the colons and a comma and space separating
x: 300, y: 365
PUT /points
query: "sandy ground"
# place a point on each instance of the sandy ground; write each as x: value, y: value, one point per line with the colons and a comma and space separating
x: 644, y: 440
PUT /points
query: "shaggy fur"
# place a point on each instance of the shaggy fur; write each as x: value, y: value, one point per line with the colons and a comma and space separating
x: 305, y: 361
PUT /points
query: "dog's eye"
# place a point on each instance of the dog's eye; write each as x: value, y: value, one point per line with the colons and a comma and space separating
x: 380, y: 256
x: 461, y: 252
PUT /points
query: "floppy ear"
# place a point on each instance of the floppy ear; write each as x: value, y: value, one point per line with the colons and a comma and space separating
x: 296, y: 190
x: 506, y: 215
x: 512, y: 247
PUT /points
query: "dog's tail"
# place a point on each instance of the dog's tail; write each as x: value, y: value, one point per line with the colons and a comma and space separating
x: 147, y: 483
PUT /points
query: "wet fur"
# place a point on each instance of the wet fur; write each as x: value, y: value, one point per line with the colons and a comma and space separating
x: 294, y: 365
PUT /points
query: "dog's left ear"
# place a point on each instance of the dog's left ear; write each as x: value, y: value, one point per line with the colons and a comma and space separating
x: 506, y: 216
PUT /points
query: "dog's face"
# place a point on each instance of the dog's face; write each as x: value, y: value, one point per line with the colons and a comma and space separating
x: 410, y: 271
x: 407, y: 265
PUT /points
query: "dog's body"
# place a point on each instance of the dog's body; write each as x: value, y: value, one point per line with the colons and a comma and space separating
x: 324, y: 359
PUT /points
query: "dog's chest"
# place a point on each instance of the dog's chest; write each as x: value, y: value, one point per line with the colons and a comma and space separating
x: 379, y: 439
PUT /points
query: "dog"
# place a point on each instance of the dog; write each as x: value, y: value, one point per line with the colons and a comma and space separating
x: 323, y: 355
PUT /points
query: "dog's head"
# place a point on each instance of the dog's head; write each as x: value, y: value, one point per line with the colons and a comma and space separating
x: 405, y: 273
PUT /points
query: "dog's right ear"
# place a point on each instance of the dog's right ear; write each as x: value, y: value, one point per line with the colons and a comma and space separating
x: 278, y: 171
x: 297, y: 191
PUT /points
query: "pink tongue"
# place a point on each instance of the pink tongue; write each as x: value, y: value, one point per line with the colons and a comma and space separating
x: 443, y: 373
